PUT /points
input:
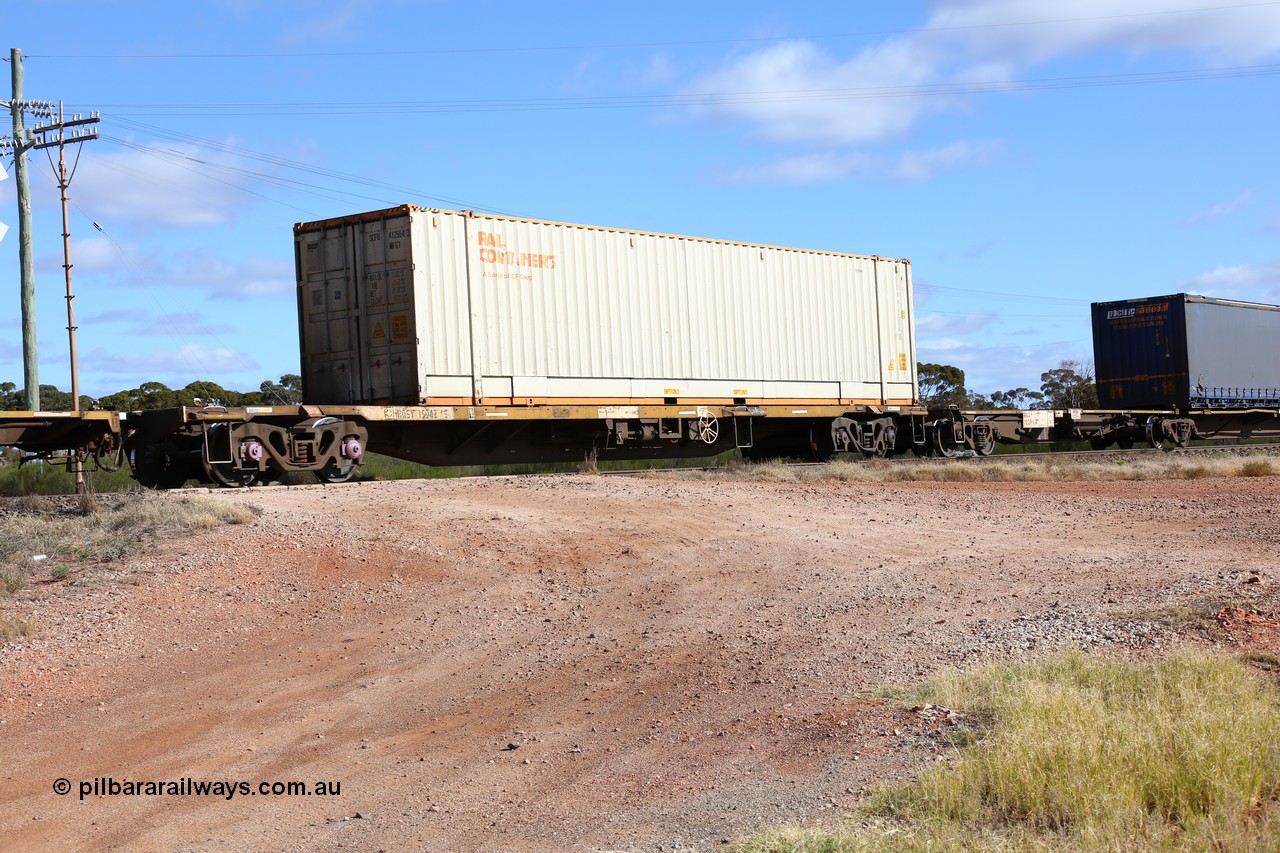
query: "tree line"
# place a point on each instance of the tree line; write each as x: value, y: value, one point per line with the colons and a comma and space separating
x: 157, y: 395
x: 1070, y: 385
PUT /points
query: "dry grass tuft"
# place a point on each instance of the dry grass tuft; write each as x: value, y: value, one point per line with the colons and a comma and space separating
x: 43, y: 542
x: 988, y: 471
x: 1181, y: 753
x: 1257, y: 468
x: 16, y: 629
x: 590, y: 463
x: 162, y: 514
x: 88, y: 504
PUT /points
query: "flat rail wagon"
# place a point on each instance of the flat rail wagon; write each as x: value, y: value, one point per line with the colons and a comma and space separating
x: 453, y: 338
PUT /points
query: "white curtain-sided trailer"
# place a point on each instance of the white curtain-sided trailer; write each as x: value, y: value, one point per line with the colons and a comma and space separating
x: 413, y: 306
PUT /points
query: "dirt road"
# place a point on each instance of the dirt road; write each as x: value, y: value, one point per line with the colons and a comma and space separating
x: 572, y: 663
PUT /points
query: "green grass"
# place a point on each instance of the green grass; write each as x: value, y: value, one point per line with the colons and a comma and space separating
x: 1082, y: 753
x: 377, y: 467
x: 53, y: 478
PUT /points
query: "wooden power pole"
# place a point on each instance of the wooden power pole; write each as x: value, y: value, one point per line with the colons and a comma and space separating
x: 18, y: 108
x: 54, y: 135
x: 51, y: 134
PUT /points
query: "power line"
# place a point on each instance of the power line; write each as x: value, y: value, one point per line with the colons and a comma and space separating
x: 281, y: 162
x: 969, y: 348
x: 624, y: 45
x: 1021, y: 297
x: 992, y: 314
x: 189, y: 349
x: 698, y: 99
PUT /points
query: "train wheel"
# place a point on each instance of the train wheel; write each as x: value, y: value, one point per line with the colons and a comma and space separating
x: 333, y: 474
x: 224, y: 474
x: 986, y: 446
x: 821, y: 448
x: 759, y: 453
x: 944, y: 442
x: 159, y: 466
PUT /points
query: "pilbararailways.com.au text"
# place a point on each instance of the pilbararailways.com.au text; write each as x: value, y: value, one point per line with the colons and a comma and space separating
x: 106, y: 786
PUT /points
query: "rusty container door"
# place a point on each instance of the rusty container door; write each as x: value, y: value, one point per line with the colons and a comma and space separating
x: 327, y: 325
x: 383, y: 273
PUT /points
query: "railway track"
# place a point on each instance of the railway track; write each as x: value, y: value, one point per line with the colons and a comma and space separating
x: 1235, y: 449
x: 1270, y: 448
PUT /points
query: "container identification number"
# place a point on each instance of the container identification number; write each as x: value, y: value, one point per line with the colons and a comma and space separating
x: 394, y: 238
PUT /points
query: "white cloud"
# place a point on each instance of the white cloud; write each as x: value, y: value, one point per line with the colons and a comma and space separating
x: 1028, y: 32
x: 807, y: 169
x: 91, y: 254
x: 191, y: 269
x: 337, y: 25
x: 931, y: 324
x: 922, y: 165
x: 1219, y: 211
x: 119, y: 315
x: 187, y: 324
x: 797, y: 94
x: 839, y: 165
x: 232, y: 279
x: 660, y: 71
x: 196, y: 359
x: 1250, y: 282
x: 176, y: 185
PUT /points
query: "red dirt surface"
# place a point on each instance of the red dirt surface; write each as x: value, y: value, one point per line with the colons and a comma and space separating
x: 575, y: 663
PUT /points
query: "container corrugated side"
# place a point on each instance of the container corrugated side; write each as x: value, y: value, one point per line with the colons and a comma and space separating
x: 512, y: 310
x: 1233, y: 352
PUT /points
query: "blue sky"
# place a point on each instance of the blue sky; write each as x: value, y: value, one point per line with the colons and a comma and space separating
x: 1028, y: 157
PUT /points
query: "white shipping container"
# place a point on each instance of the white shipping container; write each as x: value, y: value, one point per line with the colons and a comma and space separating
x: 419, y: 306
